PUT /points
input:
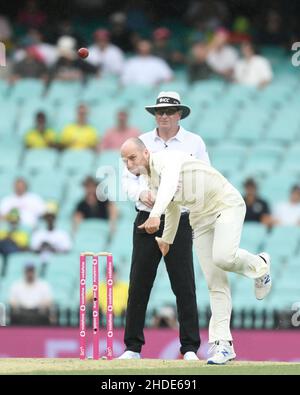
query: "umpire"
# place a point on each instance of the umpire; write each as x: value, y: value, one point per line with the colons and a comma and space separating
x: 168, y: 135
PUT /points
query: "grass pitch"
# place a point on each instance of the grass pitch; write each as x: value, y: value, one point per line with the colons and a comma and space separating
x: 141, y: 367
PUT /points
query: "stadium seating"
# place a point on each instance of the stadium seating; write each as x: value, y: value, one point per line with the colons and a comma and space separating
x: 40, y: 159
x: 73, y: 161
x: 248, y: 132
x: 19, y: 91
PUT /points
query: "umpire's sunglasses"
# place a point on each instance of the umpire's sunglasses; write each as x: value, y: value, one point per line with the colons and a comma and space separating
x: 166, y: 110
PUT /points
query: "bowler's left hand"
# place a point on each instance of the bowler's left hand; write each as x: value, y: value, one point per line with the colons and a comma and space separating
x: 163, y: 246
x: 151, y: 225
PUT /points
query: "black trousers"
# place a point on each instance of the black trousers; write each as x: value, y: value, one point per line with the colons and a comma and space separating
x: 179, y: 263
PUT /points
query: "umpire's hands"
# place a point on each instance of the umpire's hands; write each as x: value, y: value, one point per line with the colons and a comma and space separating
x: 163, y: 246
x: 151, y: 225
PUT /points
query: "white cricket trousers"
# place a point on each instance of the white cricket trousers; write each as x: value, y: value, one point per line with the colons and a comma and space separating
x: 217, y: 248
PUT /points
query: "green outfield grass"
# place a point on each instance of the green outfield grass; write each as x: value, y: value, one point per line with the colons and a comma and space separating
x: 137, y: 367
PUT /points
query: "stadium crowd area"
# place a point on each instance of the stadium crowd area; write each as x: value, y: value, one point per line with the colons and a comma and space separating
x: 63, y: 120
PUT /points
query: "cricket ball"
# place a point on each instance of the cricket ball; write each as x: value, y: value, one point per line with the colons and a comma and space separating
x: 83, y: 53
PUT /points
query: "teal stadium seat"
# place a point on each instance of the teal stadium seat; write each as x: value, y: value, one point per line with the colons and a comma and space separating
x: 284, y: 240
x: 237, y: 95
x: 213, y: 126
x: 135, y: 95
x: 9, y: 161
x: 179, y: 86
x: 37, y: 160
x: 253, y: 236
x: 4, y: 89
x: 121, y: 243
x: 73, y: 161
x: 141, y: 119
x: 286, y: 126
x: 291, y: 163
x: 92, y: 235
x: 248, y: 128
x: 96, y: 226
x: 61, y: 91
x: 293, y: 265
x: 204, y: 94
x: 8, y: 116
x: 5, y: 289
x: 49, y: 184
x: 273, y: 96
x: 23, y: 87
x: 228, y: 157
x: 104, y: 116
x: 99, y: 90
x: 126, y: 210
x: 109, y: 158
x: 264, y: 158
x: 276, y: 187
x: 17, y: 261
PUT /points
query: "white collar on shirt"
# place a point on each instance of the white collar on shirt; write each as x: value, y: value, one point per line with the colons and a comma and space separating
x: 179, y: 136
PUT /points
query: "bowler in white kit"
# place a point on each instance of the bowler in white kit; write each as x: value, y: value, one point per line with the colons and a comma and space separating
x: 217, y: 212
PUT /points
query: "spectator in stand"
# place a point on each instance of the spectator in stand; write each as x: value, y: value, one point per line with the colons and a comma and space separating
x: 120, y: 296
x: 211, y: 13
x: 31, y: 300
x: 80, y: 134
x: 252, y: 70
x: 117, y: 135
x: 31, y: 207
x: 13, y: 237
x: 69, y: 67
x: 41, y: 136
x: 272, y: 30
x: 165, y: 318
x: 31, y: 66
x: 163, y: 48
x: 288, y: 213
x: 144, y: 68
x: 121, y: 36
x: 31, y: 15
x: 35, y: 38
x: 92, y: 207
x: 106, y: 57
x: 222, y: 57
x: 65, y: 27
x: 241, y: 30
x: 51, y: 239
x: 197, y: 67
x: 257, y: 208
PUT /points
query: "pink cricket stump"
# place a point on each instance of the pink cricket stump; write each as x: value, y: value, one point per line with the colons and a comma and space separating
x: 95, y: 308
x: 82, y: 309
x: 109, y: 310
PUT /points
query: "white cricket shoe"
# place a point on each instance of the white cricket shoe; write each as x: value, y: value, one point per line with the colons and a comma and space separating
x: 130, y: 355
x: 222, y: 352
x: 263, y: 284
x: 190, y: 356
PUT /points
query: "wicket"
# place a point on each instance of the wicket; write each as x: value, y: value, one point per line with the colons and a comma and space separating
x: 95, y: 314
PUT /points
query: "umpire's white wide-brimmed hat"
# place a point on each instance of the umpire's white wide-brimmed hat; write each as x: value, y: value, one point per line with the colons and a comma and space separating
x: 169, y: 99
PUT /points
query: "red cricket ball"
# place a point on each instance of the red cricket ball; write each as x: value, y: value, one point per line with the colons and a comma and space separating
x: 83, y: 52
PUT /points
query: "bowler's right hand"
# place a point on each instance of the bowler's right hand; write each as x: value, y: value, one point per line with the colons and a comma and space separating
x: 147, y: 198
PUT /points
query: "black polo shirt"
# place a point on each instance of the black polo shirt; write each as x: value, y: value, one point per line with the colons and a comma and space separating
x: 99, y: 210
x: 256, y: 210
